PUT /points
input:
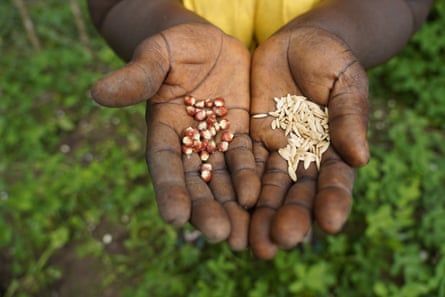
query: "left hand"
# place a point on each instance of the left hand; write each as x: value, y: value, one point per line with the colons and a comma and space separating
x: 316, y: 64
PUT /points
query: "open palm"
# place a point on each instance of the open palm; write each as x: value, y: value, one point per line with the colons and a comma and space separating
x: 315, y: 64
x: 198, y: 60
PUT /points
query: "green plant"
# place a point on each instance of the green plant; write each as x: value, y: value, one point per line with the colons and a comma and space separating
x: 414, y: 76
x: 69, y: 168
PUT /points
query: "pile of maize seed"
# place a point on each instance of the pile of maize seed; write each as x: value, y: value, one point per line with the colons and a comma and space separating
x: 306, y: 125
x: 201, y: 139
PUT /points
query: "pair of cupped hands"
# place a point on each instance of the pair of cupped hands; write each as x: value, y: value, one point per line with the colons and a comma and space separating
x: 250, y: 200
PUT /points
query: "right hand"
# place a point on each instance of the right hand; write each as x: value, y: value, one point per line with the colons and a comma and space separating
x: 200, y: 60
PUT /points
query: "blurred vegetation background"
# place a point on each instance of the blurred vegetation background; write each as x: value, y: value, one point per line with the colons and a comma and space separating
x: 77, y: 211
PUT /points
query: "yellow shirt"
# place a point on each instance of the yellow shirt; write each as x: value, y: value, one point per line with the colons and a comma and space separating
x: 249, y: 20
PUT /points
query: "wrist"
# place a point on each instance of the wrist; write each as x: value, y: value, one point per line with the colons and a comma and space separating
x: 374, y: 31
x: 128, y: 22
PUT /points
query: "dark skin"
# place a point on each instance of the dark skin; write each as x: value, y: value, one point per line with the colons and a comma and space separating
x: 322, y: 55
x: 199, y: 59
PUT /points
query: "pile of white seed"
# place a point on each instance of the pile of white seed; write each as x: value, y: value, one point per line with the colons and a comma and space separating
x: 306, y: 125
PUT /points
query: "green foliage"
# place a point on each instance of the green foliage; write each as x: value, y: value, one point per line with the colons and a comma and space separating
x: 414, y: 76
x: 67, y: 166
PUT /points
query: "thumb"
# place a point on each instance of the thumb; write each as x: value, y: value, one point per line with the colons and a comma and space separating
x: 348, y: 115
x: 138, y: 81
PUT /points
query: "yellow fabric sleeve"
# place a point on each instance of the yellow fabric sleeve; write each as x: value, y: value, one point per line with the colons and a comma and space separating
x: 249, y: 20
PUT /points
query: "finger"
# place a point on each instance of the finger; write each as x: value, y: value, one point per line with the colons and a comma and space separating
x: 275, y: 185
x: 221, y: 186
x: 241, y: 164
x: 165, y: 165
x: 207, y: 215
x: 275, y: 182
x: 334, y: 197
x: 239, y: 220
x: 260, y: 154
x: 348, y: 115
x: 293, y: 220
x: 259, y: 233
x: 139, y: 80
